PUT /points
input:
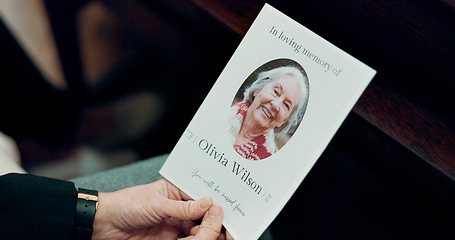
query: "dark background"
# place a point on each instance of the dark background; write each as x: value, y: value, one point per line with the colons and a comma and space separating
x: 370, y: 183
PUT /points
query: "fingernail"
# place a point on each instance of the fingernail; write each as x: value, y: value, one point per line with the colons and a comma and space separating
x: 205, y: 203
x: 214, y: 211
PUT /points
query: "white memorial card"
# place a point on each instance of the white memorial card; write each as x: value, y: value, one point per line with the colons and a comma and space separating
x: 265, y: 122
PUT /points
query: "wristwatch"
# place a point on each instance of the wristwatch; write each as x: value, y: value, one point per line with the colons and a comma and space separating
x: 87, y: 203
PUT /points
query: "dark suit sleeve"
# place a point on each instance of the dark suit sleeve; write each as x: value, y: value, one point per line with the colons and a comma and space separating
x: 35, y: 207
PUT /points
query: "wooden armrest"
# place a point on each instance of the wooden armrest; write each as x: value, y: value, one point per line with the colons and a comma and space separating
x: 414, y: 125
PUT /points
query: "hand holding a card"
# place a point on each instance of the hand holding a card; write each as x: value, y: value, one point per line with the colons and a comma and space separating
x: 157, y: 210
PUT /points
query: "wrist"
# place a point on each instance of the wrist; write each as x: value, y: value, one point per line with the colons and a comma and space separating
x: 101, y: 221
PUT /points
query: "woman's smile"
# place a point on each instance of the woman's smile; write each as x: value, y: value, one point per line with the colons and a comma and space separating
x: 267, y: 112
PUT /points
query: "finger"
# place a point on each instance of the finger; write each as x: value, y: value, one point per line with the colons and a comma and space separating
x: 187, y: 226
x: 182, y: 195
x: 228, y: 236
x: 210, y: 227
x: 222, y: 236
x: 187, y: 210
x: 194, y: 230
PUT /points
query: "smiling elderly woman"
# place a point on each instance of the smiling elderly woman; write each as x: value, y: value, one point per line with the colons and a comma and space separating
x: 273, y: 104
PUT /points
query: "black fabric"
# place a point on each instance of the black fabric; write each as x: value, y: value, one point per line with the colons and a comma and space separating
x: 35, y: 207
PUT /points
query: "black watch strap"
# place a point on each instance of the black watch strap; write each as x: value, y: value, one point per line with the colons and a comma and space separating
x: 87, y: 202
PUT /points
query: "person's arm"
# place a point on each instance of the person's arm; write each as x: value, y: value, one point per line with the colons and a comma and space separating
x: 35, y: 207
x: 157, y: 210
x: 42, y: 208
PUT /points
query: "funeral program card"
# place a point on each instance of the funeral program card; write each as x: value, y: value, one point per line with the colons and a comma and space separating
x: 267, y: 119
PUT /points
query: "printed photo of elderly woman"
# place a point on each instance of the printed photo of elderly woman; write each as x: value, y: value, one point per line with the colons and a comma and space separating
x: 268, y: 108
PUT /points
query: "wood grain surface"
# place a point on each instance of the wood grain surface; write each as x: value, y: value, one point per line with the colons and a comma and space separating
x: 409, y: 43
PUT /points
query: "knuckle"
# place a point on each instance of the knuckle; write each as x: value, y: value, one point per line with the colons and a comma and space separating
x: 188, y: 209
x: 211, y: 226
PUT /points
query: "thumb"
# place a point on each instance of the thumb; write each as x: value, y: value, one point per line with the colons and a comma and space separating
x: 211, y: 225
x: 187, y: 210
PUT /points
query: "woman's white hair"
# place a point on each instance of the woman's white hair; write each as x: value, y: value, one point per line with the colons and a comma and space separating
x: 273, y: 75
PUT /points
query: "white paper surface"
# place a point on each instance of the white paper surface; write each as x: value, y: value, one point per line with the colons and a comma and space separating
x: 204, y: 163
